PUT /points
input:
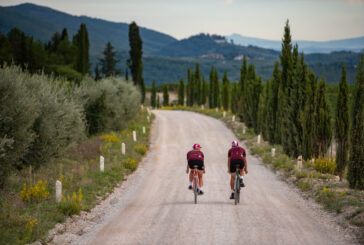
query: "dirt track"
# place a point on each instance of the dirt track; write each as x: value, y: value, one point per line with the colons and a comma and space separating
x: 154, y: 205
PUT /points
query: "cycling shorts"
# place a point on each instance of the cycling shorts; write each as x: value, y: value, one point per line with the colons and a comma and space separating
x: 235, y: 162
x: 192, y: 163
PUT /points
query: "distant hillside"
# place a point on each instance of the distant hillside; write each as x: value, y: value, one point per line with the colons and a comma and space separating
x: 42, y: 22
x: 352, y: 44
x: 214, y: 47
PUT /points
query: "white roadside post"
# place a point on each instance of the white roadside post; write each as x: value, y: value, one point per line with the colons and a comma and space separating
x: 143, y: 130
x: 58, y: 191
x: 102, y: 163
x: 224, y: 114
x: 202, y: 107
x: 299, y: 162
x: 123, y: 148
x: 244, y: 129
x: 217, y: 109
x: 134, y: 136
x: 258, y: 140
x: 273, y: 152
x: 233, y: 119
x: 148, y: 118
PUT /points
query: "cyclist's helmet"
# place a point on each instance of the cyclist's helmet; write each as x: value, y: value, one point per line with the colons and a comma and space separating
x: 235, y: 143
x: 196, y: 146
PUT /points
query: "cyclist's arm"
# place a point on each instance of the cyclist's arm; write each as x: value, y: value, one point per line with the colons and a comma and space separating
x: 246, y: 165
x: 228, y: 164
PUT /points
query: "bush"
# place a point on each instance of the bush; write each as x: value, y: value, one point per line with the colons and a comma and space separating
x: 324, y: 165
x: 141, y: 149
x: 36, y: 192
x: 108, y: 104
x: 130, y: 164
x: 38, y: 121
x: 18, y: 112
x: 70, y: 206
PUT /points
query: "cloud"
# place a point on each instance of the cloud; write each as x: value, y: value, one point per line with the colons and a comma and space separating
x: 356, y: 2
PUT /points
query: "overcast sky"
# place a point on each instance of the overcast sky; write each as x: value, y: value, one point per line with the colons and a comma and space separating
x: 318, y: 20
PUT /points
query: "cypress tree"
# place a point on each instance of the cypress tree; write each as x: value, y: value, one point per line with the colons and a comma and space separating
x: 274, y: 127
x: 204, y: 89
x: 234, y: 98
x: 197, y: 85
x: 108, y: 62
x: 225, y: 92
x: 158, y: 102
x: 242, y: 85
x: 286, y: 56
x: 181, y: 92
x: 153, y: 97
x: 212, y: 88
x: 189, y: 88
x: 165, y: 95
x: 217, y: 97
x: 323, y: 120
x: 356, y: 161
x: 82, y: 43
x: 342, y: 124
x: 135, y: 63
x: 309, y: 117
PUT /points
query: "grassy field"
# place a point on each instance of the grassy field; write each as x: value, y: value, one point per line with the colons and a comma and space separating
x: 28, y: 209
x: 314, y: 179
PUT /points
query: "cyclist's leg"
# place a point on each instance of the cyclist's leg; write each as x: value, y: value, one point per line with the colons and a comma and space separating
x: 232, y: 181
x: 200, y: 179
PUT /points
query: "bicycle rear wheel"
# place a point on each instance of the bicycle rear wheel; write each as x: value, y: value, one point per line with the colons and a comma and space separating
x: 237, y: 189
x: 195, y: 188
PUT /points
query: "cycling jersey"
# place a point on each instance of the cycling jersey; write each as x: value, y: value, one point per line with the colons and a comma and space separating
x: 236, y: 153
x: 195, y: 155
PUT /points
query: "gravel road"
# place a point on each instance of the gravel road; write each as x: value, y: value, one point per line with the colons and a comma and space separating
x: 154, y: 205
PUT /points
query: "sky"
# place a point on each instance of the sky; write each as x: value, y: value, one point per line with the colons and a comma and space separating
x: 314, y: 20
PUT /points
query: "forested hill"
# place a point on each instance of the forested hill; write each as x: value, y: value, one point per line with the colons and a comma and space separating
x: 42, y: 22
x: 215, y: 47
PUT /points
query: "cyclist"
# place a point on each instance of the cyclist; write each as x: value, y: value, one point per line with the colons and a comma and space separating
x: 236, y: 155
x: 196, y: 157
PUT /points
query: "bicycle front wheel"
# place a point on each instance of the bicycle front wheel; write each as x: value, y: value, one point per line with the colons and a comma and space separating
x: 195, y: 188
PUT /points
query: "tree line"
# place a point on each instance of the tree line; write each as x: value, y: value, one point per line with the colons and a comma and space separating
x: 70, y: 58
x: 291, y: 108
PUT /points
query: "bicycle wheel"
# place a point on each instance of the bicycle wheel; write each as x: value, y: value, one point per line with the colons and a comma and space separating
x: 195, y: 188
x: 237, y: 189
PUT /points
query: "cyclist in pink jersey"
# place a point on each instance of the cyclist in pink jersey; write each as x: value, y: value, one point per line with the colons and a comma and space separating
x: 196, y: 157
x: 236, y: 156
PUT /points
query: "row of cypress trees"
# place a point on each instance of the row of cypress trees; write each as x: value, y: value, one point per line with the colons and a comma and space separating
x: 291, y: 108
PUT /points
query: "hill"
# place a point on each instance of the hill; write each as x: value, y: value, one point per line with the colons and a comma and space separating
x: 350, y: 44
x: 214, y: 47
x: 42, y: 22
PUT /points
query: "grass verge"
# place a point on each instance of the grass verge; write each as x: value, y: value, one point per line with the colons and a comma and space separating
x: 28, y: 209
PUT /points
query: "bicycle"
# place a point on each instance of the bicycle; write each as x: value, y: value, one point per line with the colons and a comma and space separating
x: 237, y: 185
x: 195, y: 182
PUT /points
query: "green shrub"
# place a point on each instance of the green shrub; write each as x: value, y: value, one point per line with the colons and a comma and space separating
x: 131, y: 164
x: 108, y: 104
x: 324, y: 165
x: 70, y: 206
x: 141, y: 149
x: 59, y: 124
x: 18, y: 112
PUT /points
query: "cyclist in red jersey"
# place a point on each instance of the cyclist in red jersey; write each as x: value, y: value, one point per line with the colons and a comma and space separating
x: 196, y: 157
x: 236, y: 155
